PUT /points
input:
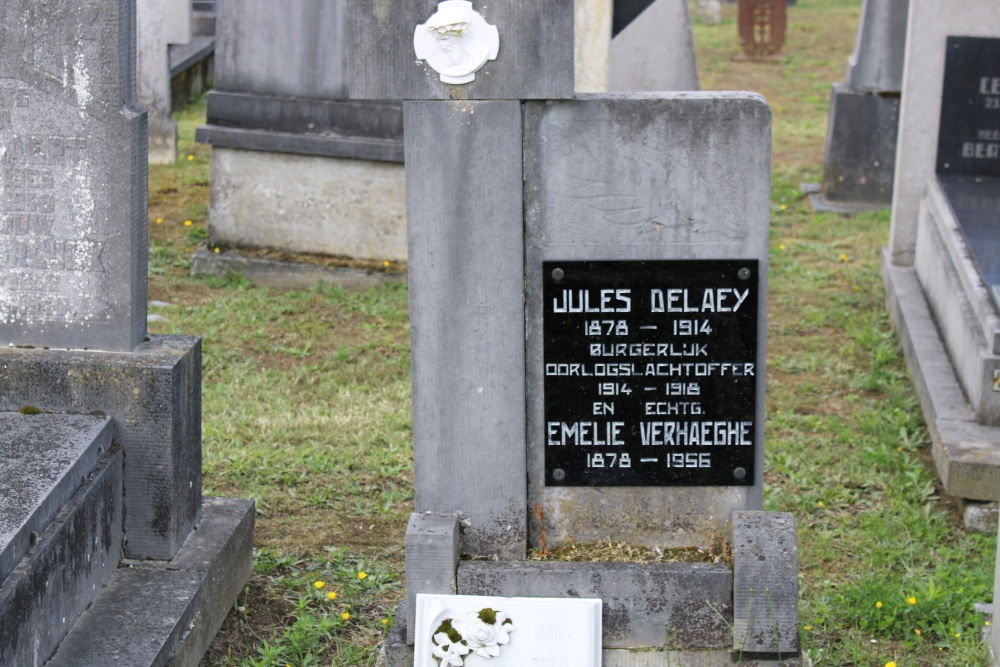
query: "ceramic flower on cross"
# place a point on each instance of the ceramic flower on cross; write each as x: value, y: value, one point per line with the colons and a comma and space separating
x: 448, y: 651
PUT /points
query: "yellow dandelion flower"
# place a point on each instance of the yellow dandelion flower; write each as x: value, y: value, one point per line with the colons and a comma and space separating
x: 890, y: 664
x: 385, y: 621
x: 386, y: 264
x: 781, y: 247
x: 345, y: 616
x: 190, y: 158
x: 819, y: 504
x: 916, y: 631
x: 783, y: 207
x: 843, y: 258
x: 319, y: 585
x: 159, y: 221
x: 216, y: 251
x: 808, y: 628
x: 958, y: 634
x: 912, y: 600
x: 878, y: 605
x: 362, y: 575
x: 188, y: 223
x: 988, y: 623
x: 331, y: 595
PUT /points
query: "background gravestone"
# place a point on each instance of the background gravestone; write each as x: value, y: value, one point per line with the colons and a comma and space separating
x: 297, y: 167
x: 72, y: 238
x: 160, y: 23
x: 864, y: 114
x: 652, y: 47
x: 112, y: 416
x: 937, y: 265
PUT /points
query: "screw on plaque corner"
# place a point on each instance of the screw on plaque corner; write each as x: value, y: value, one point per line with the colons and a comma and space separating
x: 559, y: 474
x: 558, y: 275
x: 744, y: 274
x: 739, y: 474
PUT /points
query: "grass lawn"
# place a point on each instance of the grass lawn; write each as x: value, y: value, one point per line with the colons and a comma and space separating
x: 307, y: 410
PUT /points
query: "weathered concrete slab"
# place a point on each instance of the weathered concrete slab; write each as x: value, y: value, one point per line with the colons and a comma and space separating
x: 154, y: 397
x: 966, y: 454
x: 535, y: 61
x: 299, y: 203
x: 63, y: 573
x: 930, y: 23
x: 73, y: 200
x: 286, y: 275
x: 432, y: 551
x: 466, y: 272
x: 295, y: 48
x: 176, y: 607
x: 42, y: 461
x: 960, y: 302
x: 641, y: 177
x: 646, y: 605
x: 655, y: 52
x: 765, y: 583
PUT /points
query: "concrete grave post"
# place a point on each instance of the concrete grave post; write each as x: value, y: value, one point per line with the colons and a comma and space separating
x: 160, y: 23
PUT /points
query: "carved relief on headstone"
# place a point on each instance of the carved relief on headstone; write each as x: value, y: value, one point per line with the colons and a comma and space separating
x: 762, y: 26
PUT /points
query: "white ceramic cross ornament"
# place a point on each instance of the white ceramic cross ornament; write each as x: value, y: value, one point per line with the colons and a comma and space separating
x: 456, y: 41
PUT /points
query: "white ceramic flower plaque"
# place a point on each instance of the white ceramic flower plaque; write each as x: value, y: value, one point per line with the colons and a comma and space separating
x: 456, y: 41
x: 475, y: 631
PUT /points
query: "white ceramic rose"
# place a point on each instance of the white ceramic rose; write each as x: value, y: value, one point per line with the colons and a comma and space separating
x: 482, y: 633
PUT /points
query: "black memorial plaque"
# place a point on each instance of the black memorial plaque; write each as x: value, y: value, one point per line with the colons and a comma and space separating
x: 650, y: 372
x: 969, y: 133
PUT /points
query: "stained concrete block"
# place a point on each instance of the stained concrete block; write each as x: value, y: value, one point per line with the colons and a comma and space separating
x: 432, y: 551
x: 655, y: 52
x: 466, y: 272
x: 294, y: 48
x: 765, y: 583
x: 592, y: 40
x: 930, y: 23
x: 176, y: 607
x: 980, y: 517
x: 42, y: 461
x: 63, y: 573
x: 647, y: 605
x: 73, y: 221
x: 300, y: 203
x: 154, y: 397
x: 536, y: 58
x: 641, y: 177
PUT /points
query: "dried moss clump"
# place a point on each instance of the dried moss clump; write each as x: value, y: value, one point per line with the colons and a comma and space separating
x: 620, y: 552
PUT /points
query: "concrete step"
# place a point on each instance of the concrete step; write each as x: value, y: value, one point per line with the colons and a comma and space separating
x: 165, y: 613
x: 71, y: 558
x: 43, y: 459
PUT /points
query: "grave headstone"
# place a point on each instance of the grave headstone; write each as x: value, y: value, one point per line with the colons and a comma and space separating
x: 160, y: 24
x: 296, y: 167
x: 762, y: 27
x: 864, y: 114
x: 939, y: 267
x: 710, y: 11
x: 100, y: 424
x: 652, y: 48
x: 547, y: 237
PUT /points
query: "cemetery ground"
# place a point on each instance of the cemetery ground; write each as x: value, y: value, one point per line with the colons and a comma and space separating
x: 307, y: 410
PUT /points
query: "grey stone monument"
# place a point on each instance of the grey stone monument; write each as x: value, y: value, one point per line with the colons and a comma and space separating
x: 100, y: 425
x: 940, y: 266
x: 296, y: 166
x: 160, y: 23
x: 529, y: 210
x: 864, y: 114
x: 652, y: 48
